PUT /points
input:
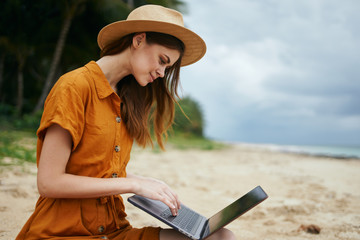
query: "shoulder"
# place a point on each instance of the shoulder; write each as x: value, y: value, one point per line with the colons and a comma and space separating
x: 78, y: 81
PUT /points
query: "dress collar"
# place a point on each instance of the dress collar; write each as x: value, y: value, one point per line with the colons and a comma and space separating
x: 102, y: 85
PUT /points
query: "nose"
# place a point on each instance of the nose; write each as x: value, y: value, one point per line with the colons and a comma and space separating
x: 161, y: 71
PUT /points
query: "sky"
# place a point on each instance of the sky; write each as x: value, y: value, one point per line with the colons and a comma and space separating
x: 277, y: 71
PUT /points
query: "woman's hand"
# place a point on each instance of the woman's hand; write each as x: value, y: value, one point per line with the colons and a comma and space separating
x: 157, y: 190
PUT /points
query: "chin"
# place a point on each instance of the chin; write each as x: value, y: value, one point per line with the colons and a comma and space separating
x: 141, y: 83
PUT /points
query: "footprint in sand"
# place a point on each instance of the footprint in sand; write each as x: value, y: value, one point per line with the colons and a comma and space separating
x: 3, y: 209
x: 17, y: 192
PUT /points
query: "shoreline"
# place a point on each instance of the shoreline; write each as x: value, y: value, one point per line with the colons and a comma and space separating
x: 303, y: 190
x: 305, y: 150
x: 323, y: 155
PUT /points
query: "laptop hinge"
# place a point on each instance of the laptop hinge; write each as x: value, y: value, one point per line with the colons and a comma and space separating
x: 205, y: 230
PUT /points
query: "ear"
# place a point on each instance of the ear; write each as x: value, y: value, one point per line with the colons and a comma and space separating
x: 139, y: 39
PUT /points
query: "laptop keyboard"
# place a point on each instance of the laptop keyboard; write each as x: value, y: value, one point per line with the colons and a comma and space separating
x: 186, y: 219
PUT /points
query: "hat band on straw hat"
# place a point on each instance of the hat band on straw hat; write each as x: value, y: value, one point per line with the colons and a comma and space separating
x: 155, y: 18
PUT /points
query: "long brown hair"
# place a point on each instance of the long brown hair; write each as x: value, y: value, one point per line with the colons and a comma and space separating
x: 152, y: 106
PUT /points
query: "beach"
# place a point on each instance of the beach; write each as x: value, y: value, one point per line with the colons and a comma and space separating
x: 310, y: 197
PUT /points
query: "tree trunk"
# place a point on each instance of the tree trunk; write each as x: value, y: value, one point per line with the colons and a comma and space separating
x: 20, y: 85
x: 2, y: 62
x: 57, y: 55
x: 130, y: 4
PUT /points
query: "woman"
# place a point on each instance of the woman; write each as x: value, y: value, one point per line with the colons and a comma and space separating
x: 91, y: 117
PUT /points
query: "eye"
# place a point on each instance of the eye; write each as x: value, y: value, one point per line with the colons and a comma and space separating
x: 162, y: 61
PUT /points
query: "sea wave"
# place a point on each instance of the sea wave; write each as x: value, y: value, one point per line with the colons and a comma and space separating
x: 343, y: 152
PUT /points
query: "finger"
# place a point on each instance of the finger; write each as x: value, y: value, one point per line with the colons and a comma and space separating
x: 176, y: 201
x: 168, y: 202
x: 170, y: 199
x: 173, y: 196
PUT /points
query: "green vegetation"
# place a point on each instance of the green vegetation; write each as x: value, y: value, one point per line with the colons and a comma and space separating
x: 185, y: 141
x: 17, y: 136
x: 188, y: 129
x: 48, y: 38
x: 42, y: 40
x: 189, y: 118
x: 16, y: 147
x: 18, y: 139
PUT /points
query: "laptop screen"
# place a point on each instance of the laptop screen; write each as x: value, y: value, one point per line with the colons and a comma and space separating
x: 236, y: 209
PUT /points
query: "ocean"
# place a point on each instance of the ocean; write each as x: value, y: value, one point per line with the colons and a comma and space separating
x: 324, y: 151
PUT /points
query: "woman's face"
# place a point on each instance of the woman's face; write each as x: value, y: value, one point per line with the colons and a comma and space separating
x: 149, y: 61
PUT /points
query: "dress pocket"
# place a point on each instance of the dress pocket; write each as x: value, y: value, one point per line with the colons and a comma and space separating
x: 93, y: 215
x: 120, y: 207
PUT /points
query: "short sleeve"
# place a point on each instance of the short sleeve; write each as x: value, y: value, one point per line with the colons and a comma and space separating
x: 65, y: 106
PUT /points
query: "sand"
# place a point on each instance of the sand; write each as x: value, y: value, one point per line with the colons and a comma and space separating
x: 303, y: 190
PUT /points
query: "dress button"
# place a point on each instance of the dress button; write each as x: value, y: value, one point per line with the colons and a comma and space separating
x: 117, y: 148
x: 118, y: 119
x: 114, y: 175
x: 101, y: 229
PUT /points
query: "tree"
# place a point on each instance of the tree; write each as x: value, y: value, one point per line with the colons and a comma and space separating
x: 193, y: 122
x: 22, y: 33
x: 71, y: 7
x: 41, y: 40
x: 18, y: 42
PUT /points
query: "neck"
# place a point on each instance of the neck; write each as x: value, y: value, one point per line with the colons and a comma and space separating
x: 115, y: 67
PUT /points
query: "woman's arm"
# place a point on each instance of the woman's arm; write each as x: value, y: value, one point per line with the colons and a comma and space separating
x: 54, y: 182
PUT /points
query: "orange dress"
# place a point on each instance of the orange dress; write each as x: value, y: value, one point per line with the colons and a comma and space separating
x: 83, y: 103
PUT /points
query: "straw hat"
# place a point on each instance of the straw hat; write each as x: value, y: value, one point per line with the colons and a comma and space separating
x: 155, y: 18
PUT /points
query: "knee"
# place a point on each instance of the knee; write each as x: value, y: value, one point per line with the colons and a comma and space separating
x: 223, y: 234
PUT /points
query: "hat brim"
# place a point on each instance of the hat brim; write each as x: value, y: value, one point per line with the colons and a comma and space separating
x: 195, y: 46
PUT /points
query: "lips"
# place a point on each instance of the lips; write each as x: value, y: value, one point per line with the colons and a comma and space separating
x: 152, y: 78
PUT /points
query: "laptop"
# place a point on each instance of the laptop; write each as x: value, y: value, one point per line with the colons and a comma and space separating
x: 193, y: 224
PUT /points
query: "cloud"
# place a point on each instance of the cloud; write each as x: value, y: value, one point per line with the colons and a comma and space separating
x: 278, y: 67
